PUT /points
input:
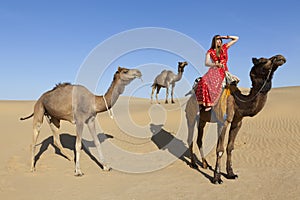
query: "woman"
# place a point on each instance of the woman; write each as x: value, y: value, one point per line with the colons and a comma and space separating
x: 210, y: 85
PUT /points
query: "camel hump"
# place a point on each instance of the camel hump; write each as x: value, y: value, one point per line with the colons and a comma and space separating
x: 60, y: 85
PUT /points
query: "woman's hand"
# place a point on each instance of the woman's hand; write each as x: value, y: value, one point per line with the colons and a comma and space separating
x: 234, y: 39
x: 224, y: 37
x: 219, y: 65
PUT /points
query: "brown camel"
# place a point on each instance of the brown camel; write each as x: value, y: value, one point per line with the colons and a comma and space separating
x: 238, y: 107
x: 76, y: 104
x: 165, y: 79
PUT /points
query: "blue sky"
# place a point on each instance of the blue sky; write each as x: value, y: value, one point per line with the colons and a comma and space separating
x: 46, y: 42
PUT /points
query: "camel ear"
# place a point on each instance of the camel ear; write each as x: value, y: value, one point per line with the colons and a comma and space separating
x: 255, y: 61
x: 119, y: 69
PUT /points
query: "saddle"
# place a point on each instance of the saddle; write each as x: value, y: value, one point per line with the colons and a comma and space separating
x: 221, y: 107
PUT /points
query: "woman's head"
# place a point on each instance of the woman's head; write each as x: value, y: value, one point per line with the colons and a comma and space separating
x: 216, y: 42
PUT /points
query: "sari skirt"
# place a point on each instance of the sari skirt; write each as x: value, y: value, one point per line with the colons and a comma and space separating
x: 210, y: 86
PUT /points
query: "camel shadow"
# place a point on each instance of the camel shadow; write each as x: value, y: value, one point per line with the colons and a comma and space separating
x: 166, y: 141
x: 68, y: 141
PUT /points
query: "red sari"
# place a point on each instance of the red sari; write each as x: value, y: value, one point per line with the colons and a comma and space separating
x: 210, y: 85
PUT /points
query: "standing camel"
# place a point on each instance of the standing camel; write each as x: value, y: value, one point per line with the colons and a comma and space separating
x: 165, y: 79
x: 238, y: 107
x: 76, y: 104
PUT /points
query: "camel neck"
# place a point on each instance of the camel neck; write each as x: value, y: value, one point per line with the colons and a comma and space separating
x: 111, y: 97
x: 257, y: 104
x: 178, y: 77
x: 251, y: 104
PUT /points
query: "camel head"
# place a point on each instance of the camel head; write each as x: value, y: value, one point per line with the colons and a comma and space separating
x: 181, y: 66
x: 127, y: 75
x: 262, y: 72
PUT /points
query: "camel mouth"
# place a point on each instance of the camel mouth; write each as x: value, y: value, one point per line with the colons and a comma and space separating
x: 138, y: 74
x: 279, y: 60
x: 128, y: 75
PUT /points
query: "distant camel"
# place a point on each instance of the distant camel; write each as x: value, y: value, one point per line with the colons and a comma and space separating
x: 238, y: 107
x: 76, y: 104
x: 165, y: 79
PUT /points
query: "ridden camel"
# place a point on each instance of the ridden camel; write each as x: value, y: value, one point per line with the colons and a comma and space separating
x: 165, y: 79
x: 76, y: 104
x: 238, y: 107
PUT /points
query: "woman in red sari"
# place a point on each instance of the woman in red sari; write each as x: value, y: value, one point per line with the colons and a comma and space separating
x: 210, y: 85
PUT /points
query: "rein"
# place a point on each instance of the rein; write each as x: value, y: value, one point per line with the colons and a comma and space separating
x: 110, y: 113
x: 245, y: 101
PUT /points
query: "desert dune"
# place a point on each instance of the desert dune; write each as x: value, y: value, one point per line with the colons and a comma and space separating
x: 143, y: 142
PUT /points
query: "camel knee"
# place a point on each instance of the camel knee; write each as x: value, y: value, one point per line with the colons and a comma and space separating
x: 36, y: 131
x: 37, y: 126
x: 57, y: 143
x: 220, y: 151
x: 199, y: 142
x: 152, y: 92
x: 229, y: 148
x: 78, y: 146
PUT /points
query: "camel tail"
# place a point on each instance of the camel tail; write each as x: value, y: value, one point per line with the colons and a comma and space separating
x: 23, y: 118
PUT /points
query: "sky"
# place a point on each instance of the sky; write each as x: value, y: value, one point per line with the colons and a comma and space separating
x: 43, y: 43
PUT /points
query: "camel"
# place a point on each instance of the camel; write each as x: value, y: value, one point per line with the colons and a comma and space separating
x: 165, y: 79
x: 238, y: 106
x: 76, y: 104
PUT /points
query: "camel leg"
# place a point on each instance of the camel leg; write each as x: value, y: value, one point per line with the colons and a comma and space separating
x: 191, y: 117
x: 54, y: 125
x: 191, y: 125
x: 78, y: 145
x: 152, y: 92
x: 234, y: 129
x: 167, y: 93
x: 37, y: 123
x: 172, y: 94
x: 193, y: 163
x: 219, y: 151
x: 200, y: 144
x: 156, y: 96
x: 157, y: 92
x: 92, y: 129
x: 36, y: 132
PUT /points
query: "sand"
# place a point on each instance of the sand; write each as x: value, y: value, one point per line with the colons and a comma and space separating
x: 266, y: 155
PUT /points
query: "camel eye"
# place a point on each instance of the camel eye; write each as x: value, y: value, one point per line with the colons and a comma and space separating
x: 125, y: 72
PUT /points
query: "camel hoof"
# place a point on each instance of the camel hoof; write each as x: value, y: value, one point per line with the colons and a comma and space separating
x: 106, y: 168
x: 78, y: 174
x: 217, y: 181
x: 217, y: 178
x: 232, y: 176
x: 205, y: 165
x: 193, y: 165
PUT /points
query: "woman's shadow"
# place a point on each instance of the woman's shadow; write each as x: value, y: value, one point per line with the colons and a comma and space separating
x: 167, y: 141
x: 68, y: 141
